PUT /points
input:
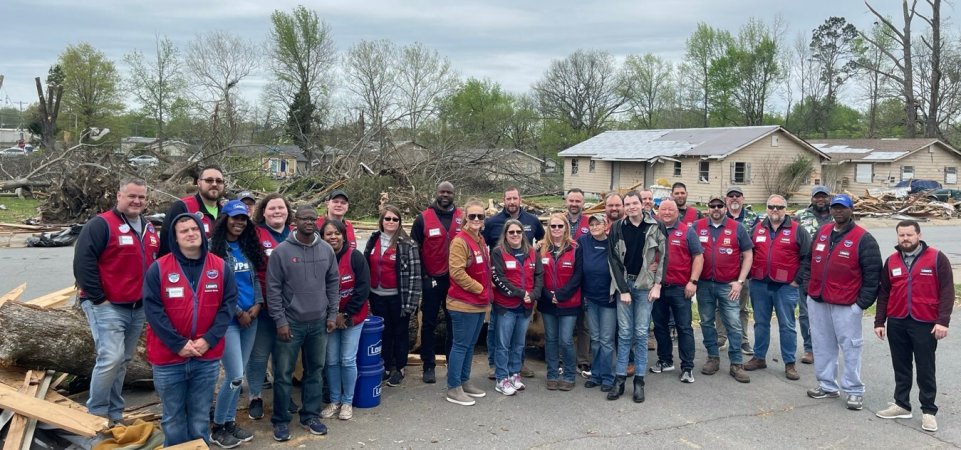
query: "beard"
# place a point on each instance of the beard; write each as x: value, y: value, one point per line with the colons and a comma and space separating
x: 908, y: 248
x: 821, y: 209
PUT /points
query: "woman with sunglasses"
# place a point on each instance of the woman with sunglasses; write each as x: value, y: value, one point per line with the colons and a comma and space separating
x: 469, y: 296
x: 235, y: 240
x: 561, y: 301
x: 518, y: 279
x: 342, y: 343
x: 395, y: 287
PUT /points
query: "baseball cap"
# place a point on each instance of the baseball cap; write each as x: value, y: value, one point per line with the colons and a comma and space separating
x: 843, y: 200
x: 715, y: 197
x: 338, y: 193
x: 245, y: 195
x: 734, y: 189
x: 820, y: 189
x: 235, y: 208
x: 598, y: 217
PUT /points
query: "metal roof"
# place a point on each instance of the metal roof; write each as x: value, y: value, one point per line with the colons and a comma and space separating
x: 875, y: 150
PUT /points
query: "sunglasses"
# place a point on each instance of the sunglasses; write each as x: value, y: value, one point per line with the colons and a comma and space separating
x: 475, y: 217
x: 556, y: 226
x: 734, y: 195
x: 777, y: 207
x: 213, y: 180
x: 715, y: 206
x: 391, y: 219
x: 515, y: 232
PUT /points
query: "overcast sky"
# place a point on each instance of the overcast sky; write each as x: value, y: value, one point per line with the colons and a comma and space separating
x: 511, y: 42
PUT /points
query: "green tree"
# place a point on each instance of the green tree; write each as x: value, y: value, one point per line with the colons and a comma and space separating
x: 157, y: 83
x: 91, y: 85
x: 479, y: 114
x: 705, y: 46
x: 300, y: 120
x: 832, y: 50
x: 743, y: 78
x: 648, y: 87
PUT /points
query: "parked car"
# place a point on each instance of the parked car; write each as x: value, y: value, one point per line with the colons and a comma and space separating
x: 13, y: 151
x: 144, y: 161
x: 916, y: 185
x: 944, y: 195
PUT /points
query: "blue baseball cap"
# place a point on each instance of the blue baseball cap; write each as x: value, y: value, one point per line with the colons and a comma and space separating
x: 235, y: 208
x: 843, y: 200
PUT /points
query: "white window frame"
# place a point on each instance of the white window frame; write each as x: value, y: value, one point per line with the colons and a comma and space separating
x: 677, y: 168
x: 859, y: 172
x: 950, y: 175
x: 704, y: 171
x: 574, y: 164
x: 907, y: 172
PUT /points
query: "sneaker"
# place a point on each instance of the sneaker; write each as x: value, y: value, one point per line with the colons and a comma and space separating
x: 346, y: 412
x: 712, y: 365
x: 586, y: 373
x: 256, y: 409
x: 527, y: 373
x: 687, y: 376
x: 755, y: 364
x: 457, y: 396
x: 895, y: 412
x: 821, y: 393
x: 472, y: 390
x: 505, y: 387
x: 662, y: 366
x: 808, y: 358
x: 491, y: 373
x: 239, y: 433
x: 429, y: 376
x: 386, y: 375
x: 590, y: 384
x: 330, y: 410
x: 220, y: 436
x: 722, y: 344
x: 315, y: 426
x: 396, y: 376
x: 281, y: 432
x: 790, y: 372
x: 929, y: 422
x: 737, y: 371
x: 746, y: 348
x: 855, y: 402
x: 516, y: 382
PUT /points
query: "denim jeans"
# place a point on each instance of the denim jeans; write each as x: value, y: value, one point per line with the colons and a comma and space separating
x: 310, y: 338
x: 602, y: 322
x: 782, y: 299
x: 341, y: 370
x: 712, y: 297
x: 802, y: 319
x: 466, y: 328
x: 559, y: 346
x: 116, y: 331
x: 633, y: 321
x: 672, y: 304
x: 492, y: 338
x: 237, y: 346
x: 263, y: 346
x: 186, y: 391
x: 511, y: 336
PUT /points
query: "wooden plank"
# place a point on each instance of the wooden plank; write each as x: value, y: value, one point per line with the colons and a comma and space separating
x: 32, y: 423
x: 198, y: 444
x: 14, y: 294
x: 59, y: 416
x: 413, y: 359
x: 53, y: 299
x: 18, y: 426
x: 7, y: 414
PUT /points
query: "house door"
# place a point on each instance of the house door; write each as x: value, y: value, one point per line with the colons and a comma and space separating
x: 283, y: 166
x: 615, y: 175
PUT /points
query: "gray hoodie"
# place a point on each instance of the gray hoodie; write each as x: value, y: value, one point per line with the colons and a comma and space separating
x: 303, y: 282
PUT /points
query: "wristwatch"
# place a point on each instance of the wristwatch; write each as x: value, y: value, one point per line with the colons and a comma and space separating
x: 694, y: 282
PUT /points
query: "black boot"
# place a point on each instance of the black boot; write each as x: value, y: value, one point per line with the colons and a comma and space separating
x: 638, y: 389
x: 618, y: 390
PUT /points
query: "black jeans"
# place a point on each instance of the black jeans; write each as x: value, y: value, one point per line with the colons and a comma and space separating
x: 672, y: 302
x: 396, y: 339
x: 435, y: 298
x: 909, y: 338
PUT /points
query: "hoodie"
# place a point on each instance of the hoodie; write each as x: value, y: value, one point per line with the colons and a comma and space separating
x: 153, y: 305
x: 303, y: 282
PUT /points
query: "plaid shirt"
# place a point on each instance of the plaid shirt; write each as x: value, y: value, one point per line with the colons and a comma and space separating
x: 408, y: 270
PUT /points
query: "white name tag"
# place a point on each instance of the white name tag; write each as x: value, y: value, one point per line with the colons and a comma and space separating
x: 433, y: 232
x: 702, y: 238
x: 510, y: 264
x: 896, y: 271
x: 479, y: 259
x: 126, y: 240
x: 268, y: 251
x: 206, y: 228
x: 761, y: 239
x: 175, y: 292
x: 545, y: 260
x: 819, y: 248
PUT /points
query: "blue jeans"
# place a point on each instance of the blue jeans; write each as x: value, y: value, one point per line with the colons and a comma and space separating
x: 633, y: 322
x: 491, y: 338
x: 602, y: 323
x: 802, y: 320
x: 237, y: 345
x: 711, y: 298
x: 116, y: 331
x: 559, y: 346
x: 310, y: 338
x: 466, y: 329
x: 673, y: 306
x: 263, y: 346
x: 186, y: 391
x: 511, y: 337
x: 782, y: 298
x: 341, y: 370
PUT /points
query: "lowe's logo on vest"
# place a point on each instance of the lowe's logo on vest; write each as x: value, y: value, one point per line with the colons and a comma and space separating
x: 374, y: 349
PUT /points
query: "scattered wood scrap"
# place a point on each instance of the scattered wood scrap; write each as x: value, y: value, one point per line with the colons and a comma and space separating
x: 14, y: 294
x: 59, y: 416
x: 916, y: 206
x: 198, y: 444
x: 54, y: 299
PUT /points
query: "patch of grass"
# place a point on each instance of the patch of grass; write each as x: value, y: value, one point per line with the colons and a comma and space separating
x: 18, y: 209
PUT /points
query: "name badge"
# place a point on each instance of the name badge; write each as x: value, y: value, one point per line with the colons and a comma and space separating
x: 479, y: 259
x: 175, y: 292
x: 761, y: 239
x: 433, y: 232
x: 702, y: 238
x: 896, y: 271
x: 206, y: 227
x: 510, y: 264
x: 819, y: 248
x: 545, y: 260
x: 126, y: 240
x: 268, y: 251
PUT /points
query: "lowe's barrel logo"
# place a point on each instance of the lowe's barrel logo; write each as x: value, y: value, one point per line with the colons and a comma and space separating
x: 376, y: 391
x: 374, y: 349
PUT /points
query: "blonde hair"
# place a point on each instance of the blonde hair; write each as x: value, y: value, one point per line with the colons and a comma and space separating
x: 566, y: 240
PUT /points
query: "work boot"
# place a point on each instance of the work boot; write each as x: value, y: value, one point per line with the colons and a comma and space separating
x: 755, y: 364
x: 527, y: 373
x: 808, y: 358
x: 737, y: 371
x: 638, y: 389
x: 712, y: 365
x: 618, y: 390
x: 791, y: 372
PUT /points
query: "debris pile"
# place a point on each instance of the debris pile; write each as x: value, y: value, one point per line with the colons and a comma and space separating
x: 912, y: 206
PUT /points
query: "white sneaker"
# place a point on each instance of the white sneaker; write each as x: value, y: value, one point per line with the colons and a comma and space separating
x: 929, y: 422
x: 516, y: 382
x: 505, y: 387
x: 894, y: 412
x: 330, y: 410
x: 346, y: 412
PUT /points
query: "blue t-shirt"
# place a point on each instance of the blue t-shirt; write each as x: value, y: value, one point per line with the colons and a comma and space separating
x: 244, y: 276
x: 596, y: 286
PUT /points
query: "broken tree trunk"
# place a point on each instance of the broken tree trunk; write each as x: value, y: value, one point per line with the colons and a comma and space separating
x: 55, y: 339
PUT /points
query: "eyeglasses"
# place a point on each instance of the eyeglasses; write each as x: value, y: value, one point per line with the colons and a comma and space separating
x: 515, y: 232
x: 391, y: 219
x: 475, y: 217
x: 213, y: 180
x: 715, y: 206
x: 777, y: 207
x: 556, y: 226
x: 734, y: 195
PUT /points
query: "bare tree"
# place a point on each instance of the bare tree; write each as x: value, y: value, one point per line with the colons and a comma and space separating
x: 49, y: 109
x: 903, y: 63
x: 424, y: 79
x: 648, y: 87
x: 157, y: 83
x: 583, y: 90
x: 875, y: 65
x: 371, y: 70
x: 217, y: 62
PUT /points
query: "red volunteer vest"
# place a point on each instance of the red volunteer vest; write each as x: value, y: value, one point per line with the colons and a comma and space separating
x: 679, y: 258
x: 190, y: 313
x: 436, y: 248
x: 350, y: 239
x: 776, y: 254
x: 479, y: 268
x: 126, y: 259
x: 269, y: 243
x: 520, y: 275
x: 722, y: 259
x: 581, y: 228
x: 347, y: 280
x: 383, y: 268
x: 193, y: 207
x: 690, y: 216
x: 835, y: 273
x: 557, y: 273
x: 914, y: 291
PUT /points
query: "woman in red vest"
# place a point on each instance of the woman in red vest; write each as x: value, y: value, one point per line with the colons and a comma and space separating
x: 341, y: 369
x: 518, y: 278
x: 561, y: 301
x: 467, y: 301
x: 395, y: 286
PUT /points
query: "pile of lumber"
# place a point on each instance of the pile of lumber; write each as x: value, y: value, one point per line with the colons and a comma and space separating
x: 916, y: 206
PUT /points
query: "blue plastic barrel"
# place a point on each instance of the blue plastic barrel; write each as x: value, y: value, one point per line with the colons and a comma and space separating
x: 371, y: 338
x: 367, y: 390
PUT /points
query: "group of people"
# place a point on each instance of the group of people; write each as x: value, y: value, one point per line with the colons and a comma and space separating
x: 236, y: 283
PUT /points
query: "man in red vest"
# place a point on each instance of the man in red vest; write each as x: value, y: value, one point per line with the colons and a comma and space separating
x: 337, y: 205
x: 687, y: 214
x: 574, y: 201
x: 915, y: 298
x: 205, y: 204
x: 781, y: 263
x: 613, y: 208
x: 845, y: 273
x: 433, y: 230
x: 112, y: 254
